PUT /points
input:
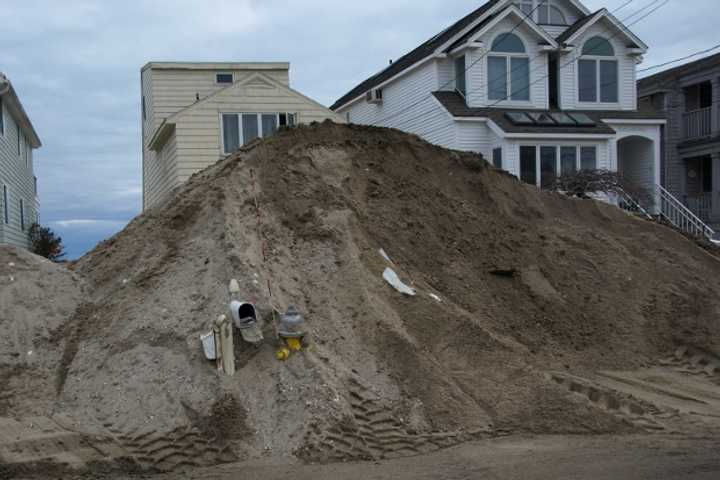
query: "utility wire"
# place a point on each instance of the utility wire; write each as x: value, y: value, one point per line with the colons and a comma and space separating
x: 680, y: 59
x: 458, y: 74
x: 572, y: 60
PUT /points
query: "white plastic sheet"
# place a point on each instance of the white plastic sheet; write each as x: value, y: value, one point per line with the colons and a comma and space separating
x: 391, y: 277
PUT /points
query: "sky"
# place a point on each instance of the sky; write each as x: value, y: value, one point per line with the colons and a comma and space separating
x: 76, y: 67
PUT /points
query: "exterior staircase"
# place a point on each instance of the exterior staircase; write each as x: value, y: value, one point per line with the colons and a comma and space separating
x: 674, y: 212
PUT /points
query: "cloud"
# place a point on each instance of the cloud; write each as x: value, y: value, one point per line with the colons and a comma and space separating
x: 77, y: 71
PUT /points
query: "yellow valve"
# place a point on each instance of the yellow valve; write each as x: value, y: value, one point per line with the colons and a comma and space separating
x: 283, y: 354
x: 294, y: 344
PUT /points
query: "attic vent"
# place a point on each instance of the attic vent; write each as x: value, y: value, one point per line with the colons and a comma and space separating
x: 374, y: 96
x: 224, y: 78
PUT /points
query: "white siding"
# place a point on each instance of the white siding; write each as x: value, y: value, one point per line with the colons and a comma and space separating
x: 626, y: 74
x: 408, y: 105
x: 477, y: 73
x: 198, y: 131
x: 477, y: 137
x: 19, y: 179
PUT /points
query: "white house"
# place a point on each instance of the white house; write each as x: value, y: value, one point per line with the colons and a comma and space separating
x: 194, y: 114
x: 19, y: 203
x: 539, y: 87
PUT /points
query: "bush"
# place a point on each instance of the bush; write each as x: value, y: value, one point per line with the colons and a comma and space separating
x: 45, y: 243
x: 585, y: 182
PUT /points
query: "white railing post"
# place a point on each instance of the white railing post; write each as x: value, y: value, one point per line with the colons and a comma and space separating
x: 681, y: 217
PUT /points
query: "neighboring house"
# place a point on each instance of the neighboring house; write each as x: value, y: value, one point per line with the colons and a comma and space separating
x: 538, y: 95
x: 19, y: 203
x: 690, y: 95
x: 194, y: 114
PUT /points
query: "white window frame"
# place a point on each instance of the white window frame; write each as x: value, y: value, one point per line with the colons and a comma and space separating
x: 508, y: 73
x: 558, y: 160
x: 535, y: 5
x: 598, y: 82
x: 224, y: 73
x: 259, y: 115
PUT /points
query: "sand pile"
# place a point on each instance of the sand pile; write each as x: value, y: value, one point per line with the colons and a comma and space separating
x: 511, y: 283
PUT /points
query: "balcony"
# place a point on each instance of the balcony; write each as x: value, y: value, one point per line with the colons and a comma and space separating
x: 697, y: 123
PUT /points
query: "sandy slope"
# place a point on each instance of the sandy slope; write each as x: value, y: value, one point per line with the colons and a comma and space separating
x: 386, y: 375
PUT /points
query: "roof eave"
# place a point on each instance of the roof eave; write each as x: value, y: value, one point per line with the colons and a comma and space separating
x: 603, y: 13
x: 21, y: 116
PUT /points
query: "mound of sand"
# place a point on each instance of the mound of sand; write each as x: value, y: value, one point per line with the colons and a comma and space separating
x: 511, y: 283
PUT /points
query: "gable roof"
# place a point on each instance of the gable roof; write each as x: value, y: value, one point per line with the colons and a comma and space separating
x: 168, y: 125
x: 425, y: 50
x: 14, y: 106
x: 493, y: 20
x: 579, y: 27
x: 663, y: 77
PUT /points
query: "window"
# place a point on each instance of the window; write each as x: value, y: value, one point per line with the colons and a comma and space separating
x: 144, y: 113
x: 540, y: 165
x: 460, y: 78
x: 588, y: 158
x: 509, y: 74
x: 497, y: 157
x: 2, y: 118
x: 548, y: 166
x: 241, y: 128
x: 22, y: 215
x: 18, y: 140
x: 6, y: 205
x: 527, y: 165
x: 568, y: 160
x: 546, y: 13
x: 231, y: 133
x: 35, y: 186
x: 224, y: 78
x: 598, y: 77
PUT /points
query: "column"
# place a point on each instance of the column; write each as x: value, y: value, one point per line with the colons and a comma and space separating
x: 715, y: 214
x: 716, y: 107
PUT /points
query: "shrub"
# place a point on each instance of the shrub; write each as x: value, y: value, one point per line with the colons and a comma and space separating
x: 585, y: 182
x: 45, y: 243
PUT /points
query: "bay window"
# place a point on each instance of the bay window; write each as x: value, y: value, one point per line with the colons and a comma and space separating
x: 508, y: 69
x: 597, y: 73
x: 542, y: 165
x: 239, y: 129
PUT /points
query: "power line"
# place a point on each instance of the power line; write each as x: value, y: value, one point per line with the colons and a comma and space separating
x: 623, y: 6
x: 680, y: 59
x: 572, y: 60
x: 457, y: 74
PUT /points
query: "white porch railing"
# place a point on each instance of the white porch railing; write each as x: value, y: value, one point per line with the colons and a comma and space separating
x: 700, y: 205
x: 698, y: 123
x: 680, y: 216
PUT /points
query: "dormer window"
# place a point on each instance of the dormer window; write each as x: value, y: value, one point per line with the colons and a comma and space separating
x: 508, y: 69
x: 542, y: 12
x: 598, y: 72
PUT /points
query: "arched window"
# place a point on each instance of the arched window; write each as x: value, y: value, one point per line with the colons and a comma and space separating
x: 508, y: 43
x: 597, y: 73
x: 508, y: 69
x: 599, y: 47
x: 542, y: 11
